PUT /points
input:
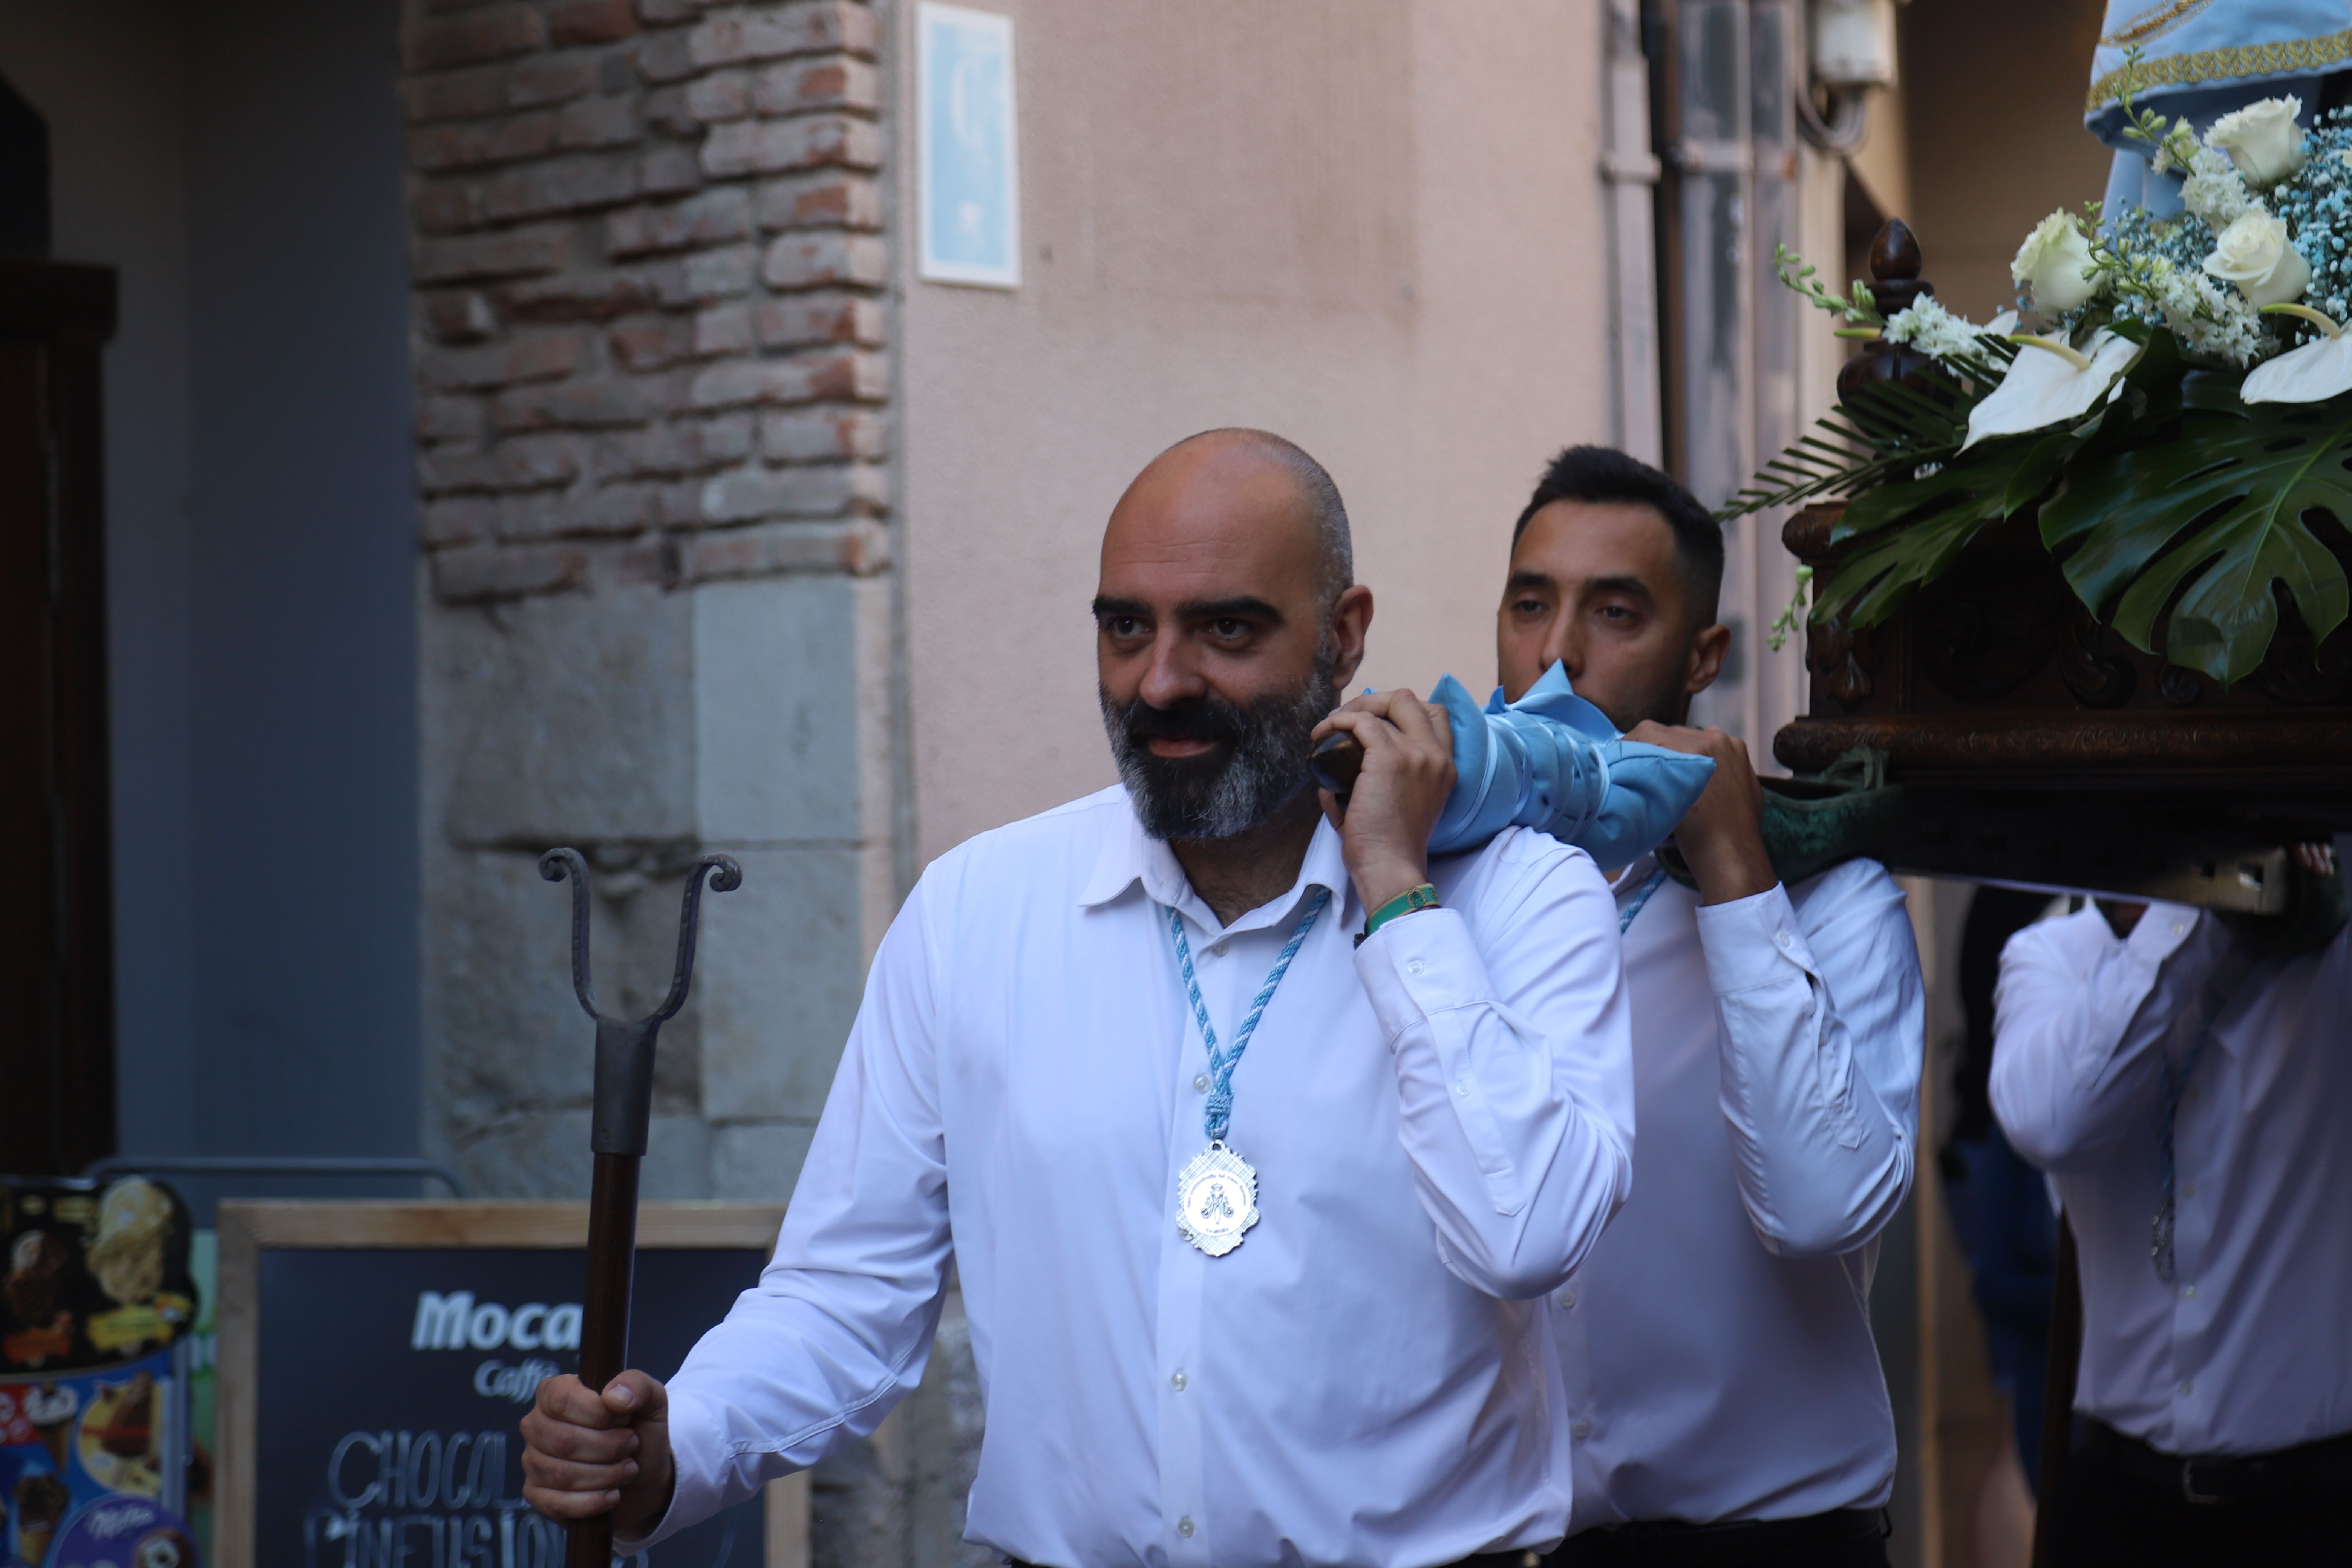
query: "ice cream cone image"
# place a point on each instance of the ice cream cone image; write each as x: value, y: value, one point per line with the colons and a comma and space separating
x: 51, y: 1410
x: 41, y: 1503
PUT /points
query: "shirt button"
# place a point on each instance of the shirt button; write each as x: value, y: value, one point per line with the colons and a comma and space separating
x: 1782, y: 938
x: 1462, y: 1087
x: 1568, y: 1297
x: 1201, y: 1084
x: 1415, y: 967
x: 2180, y: 928
x: 1217, y: 950
x: 1179, y: 1381
x: 1184, y: 1527
x: 1580, y: 1431
x: 2187, y: 1388
x: 2189, y: 1291
x: 2189, y: 1190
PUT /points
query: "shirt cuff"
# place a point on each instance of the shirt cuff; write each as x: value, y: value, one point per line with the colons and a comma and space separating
x: 1419, y: 964
x: 1752, y: 942
x: 695, y: 1455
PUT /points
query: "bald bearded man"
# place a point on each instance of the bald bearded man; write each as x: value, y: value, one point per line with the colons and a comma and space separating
x: 1273, y: 1311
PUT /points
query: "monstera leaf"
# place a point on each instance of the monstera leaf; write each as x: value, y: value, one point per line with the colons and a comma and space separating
x: 1917, y: 527
x: 2216, y: 513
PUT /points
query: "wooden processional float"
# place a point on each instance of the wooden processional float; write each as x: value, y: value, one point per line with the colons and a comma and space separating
x: 2019, y: 739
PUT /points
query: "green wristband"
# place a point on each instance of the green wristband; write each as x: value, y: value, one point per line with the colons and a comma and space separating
x: 1424, y: 897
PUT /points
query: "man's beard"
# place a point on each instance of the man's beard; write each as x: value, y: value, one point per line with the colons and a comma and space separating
x: 1257, y: 766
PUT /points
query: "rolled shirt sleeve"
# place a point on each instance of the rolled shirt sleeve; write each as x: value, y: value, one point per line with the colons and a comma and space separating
x: 1509, y: 1025
x: 1824, y: 1017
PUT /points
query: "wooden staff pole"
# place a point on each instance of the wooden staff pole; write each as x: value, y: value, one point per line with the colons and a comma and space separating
x: 618, y: 1130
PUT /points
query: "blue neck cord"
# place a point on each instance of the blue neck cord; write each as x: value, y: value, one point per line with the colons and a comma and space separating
x: 1641, y: 896
x: 1220, y: 1109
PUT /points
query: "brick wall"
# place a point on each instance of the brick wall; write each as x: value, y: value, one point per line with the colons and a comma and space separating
x: 648, y: 268
x: 646, y: 240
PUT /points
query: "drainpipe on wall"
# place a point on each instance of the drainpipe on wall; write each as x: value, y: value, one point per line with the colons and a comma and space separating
x: 1631, y: 171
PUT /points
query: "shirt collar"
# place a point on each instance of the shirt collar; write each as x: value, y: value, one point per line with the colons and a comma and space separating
x: 1129, y: 856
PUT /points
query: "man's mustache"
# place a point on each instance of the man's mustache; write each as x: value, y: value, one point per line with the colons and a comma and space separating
x: 1203, y: 719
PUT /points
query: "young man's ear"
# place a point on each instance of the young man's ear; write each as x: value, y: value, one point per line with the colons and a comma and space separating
x: 1710, y: 646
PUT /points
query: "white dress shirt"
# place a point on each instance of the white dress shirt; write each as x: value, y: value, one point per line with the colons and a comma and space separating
x: 2250, y: 1348
x: 1441, y: 1123
x: 1716, y: 1343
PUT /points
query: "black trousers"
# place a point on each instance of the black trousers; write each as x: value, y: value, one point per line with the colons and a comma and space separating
x: 1847, y: 1538
x: 2120, y: 1502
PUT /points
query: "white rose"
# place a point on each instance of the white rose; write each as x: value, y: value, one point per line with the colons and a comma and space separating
x: 2261, y: 139
x: 2253, y: 254
x: 2055, y: 263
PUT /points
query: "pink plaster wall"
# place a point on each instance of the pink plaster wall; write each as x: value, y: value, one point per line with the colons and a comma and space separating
x: 1374, y: 226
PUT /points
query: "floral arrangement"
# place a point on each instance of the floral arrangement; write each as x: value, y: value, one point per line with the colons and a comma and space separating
x: 2177, y: 425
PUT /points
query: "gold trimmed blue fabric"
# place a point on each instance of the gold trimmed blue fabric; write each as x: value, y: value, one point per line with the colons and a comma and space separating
x: 2202, y: 43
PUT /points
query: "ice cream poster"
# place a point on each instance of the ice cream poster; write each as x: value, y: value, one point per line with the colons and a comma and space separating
x: 94, y: 1298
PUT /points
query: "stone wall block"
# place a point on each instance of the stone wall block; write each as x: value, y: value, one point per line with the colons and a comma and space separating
x: 824, y: 436
x: 544, y: 1154
x: 488, y: 35
x: 515, y: 253
x: 798, y: 321
x: 825, y: 260
x: 860, y: 547
x: 476, y: 573
x: 713, y: 218
x: 826, y: 491
x: 785, y: 970
x: 769, y: 146
x: 570, y: 718
x: 591, y: 21
x: 830, y: 84
x: 535, y: 358
x: 740, y: 34
x: 757, y: 1162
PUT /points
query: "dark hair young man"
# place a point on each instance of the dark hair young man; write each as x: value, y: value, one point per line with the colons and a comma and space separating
x: 1723, y: 1389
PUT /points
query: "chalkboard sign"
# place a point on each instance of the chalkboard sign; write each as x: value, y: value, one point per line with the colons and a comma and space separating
x: 376, y: 1358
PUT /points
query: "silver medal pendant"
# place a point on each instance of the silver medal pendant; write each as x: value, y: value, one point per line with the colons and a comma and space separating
x: 1216, y: 1200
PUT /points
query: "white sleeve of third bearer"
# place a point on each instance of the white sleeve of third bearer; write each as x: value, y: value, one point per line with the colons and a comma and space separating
x: 1511, y: 1034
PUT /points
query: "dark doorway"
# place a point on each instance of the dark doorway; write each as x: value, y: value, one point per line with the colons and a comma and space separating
x: 57, y: 971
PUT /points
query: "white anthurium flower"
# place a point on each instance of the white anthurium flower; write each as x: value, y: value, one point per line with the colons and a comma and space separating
x: 2312, y: 374
x: 2055, y: 263
x: 2262, y: 140
x: 2253, y: 253
x: 2051, y: 382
